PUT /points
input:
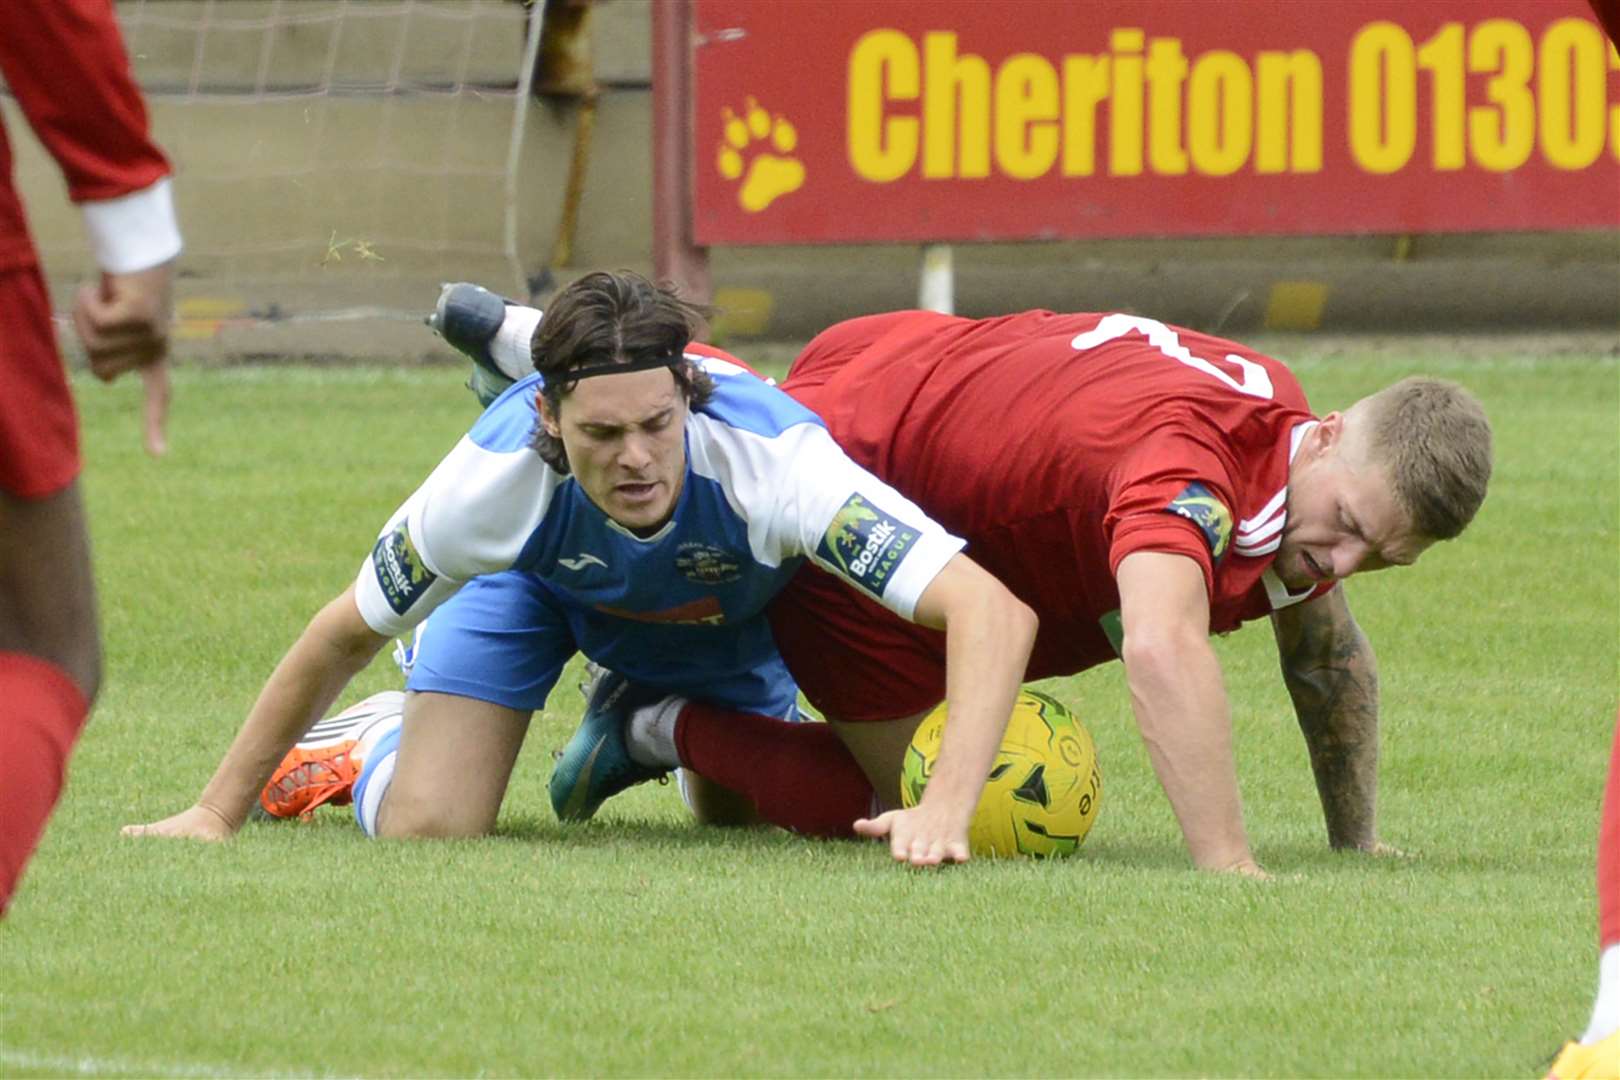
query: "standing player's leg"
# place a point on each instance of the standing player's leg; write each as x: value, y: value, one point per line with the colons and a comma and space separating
x: 50, y: 664
x: 1597, y: 1054
x: 1606, y: 1012
x: 50, y: 655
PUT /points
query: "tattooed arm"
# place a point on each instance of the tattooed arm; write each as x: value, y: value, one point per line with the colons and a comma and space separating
x: 1332, y: 675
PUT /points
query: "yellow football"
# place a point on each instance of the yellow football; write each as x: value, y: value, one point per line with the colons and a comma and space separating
x: 1044, y: 787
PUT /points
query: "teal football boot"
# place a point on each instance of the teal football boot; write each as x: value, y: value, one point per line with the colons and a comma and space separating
x: 468, y: 317
x: 596, y: 764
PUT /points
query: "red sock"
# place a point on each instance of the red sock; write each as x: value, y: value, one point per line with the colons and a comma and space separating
x: 799, y: 776
x: 1608, y: 857
x: 40, y: 719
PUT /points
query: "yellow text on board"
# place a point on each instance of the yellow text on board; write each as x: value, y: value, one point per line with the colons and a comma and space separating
x: 927, y: 107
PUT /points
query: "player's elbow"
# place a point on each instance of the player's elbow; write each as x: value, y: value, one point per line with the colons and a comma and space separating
x: 1011, y: 621
x: 966, y: 599
x: 1154, y: 654
x: 343, y: 634
x: 1025, y: 623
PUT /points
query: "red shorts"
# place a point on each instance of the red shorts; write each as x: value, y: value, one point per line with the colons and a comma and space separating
x: 39, y: 434
x: 853, y: 658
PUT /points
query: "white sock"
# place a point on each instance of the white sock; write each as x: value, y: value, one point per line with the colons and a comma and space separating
x: 512, y: 347
x: 371, y: 786
x: 1606, y: 1011
x: 650, y: 735
x: 367, y: 808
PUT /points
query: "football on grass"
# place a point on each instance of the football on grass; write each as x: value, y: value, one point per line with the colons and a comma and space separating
x: 1044, y: 786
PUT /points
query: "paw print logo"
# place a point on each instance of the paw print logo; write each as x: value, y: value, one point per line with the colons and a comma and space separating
x: 757, y: 149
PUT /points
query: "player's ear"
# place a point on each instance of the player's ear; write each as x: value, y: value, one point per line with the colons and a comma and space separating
x: 548, y: 416
x: 1325, y: 438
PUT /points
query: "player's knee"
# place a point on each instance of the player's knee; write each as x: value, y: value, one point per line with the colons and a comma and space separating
x: 47, y: 589
x: 411, y: 819
x: 77, y: 652
x: 83, y: 665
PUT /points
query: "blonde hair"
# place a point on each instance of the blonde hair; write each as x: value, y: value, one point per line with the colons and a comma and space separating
x: 1434, y: 438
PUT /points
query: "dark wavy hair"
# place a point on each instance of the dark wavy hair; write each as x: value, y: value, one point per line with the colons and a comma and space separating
x: 613, y: 318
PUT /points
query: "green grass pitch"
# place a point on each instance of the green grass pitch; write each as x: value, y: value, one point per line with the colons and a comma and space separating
x: 643, y: 945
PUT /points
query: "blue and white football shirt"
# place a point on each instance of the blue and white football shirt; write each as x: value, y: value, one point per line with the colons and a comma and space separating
x: 765, y: 487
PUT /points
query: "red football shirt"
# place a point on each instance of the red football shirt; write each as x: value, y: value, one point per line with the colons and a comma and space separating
x: 65, y: 62
x: 1058, y: 444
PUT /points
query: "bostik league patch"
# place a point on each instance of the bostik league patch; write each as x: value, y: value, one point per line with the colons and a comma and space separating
x: 867, y: 544
x: 1198, y: 505
x: 400, y: 570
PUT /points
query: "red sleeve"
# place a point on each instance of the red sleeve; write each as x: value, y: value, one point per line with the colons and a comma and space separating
x: 65, y: 62
x: 1171, y: 494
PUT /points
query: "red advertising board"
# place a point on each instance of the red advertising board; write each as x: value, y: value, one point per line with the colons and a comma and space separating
x: 903, y: 121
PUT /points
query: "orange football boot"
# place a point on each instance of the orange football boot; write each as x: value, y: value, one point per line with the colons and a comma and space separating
x: 324, y: 765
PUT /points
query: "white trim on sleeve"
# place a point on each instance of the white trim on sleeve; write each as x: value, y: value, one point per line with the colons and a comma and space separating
x: 133, y: 232
x: 918, y: 571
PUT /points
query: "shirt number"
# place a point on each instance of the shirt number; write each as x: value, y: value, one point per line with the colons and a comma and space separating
x: 1255, y: 381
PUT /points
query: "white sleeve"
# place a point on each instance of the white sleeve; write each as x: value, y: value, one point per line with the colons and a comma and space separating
x: 471, y: 516
x: 135, y: 231
x: 397, y: 588
x: 802, y: 495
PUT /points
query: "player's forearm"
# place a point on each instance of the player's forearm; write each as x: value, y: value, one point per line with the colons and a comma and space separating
x: 1180, y: 702
x: 1332, y: 676
x: 330, y: 652
x: 988, y: 638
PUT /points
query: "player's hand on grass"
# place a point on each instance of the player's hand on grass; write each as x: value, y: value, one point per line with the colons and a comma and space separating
x: 921, y: 836
x: 196, y: 823
x: 124, y: 325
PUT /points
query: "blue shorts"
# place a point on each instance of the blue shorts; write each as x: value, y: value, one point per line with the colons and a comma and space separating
x: 505, y: 638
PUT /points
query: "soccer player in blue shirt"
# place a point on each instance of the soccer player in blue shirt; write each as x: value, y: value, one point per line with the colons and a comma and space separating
x: 640, y: 500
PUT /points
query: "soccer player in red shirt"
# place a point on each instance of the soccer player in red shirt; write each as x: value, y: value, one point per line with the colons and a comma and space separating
x: 65, y: 63
x: 1142, y: 487
x: 1597, y: 1052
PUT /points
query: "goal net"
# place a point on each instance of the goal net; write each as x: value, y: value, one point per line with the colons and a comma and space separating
x: 334, y: 159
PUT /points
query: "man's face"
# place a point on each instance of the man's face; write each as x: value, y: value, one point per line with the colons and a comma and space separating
x: 1343, y: 517
x: 625, y: 438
